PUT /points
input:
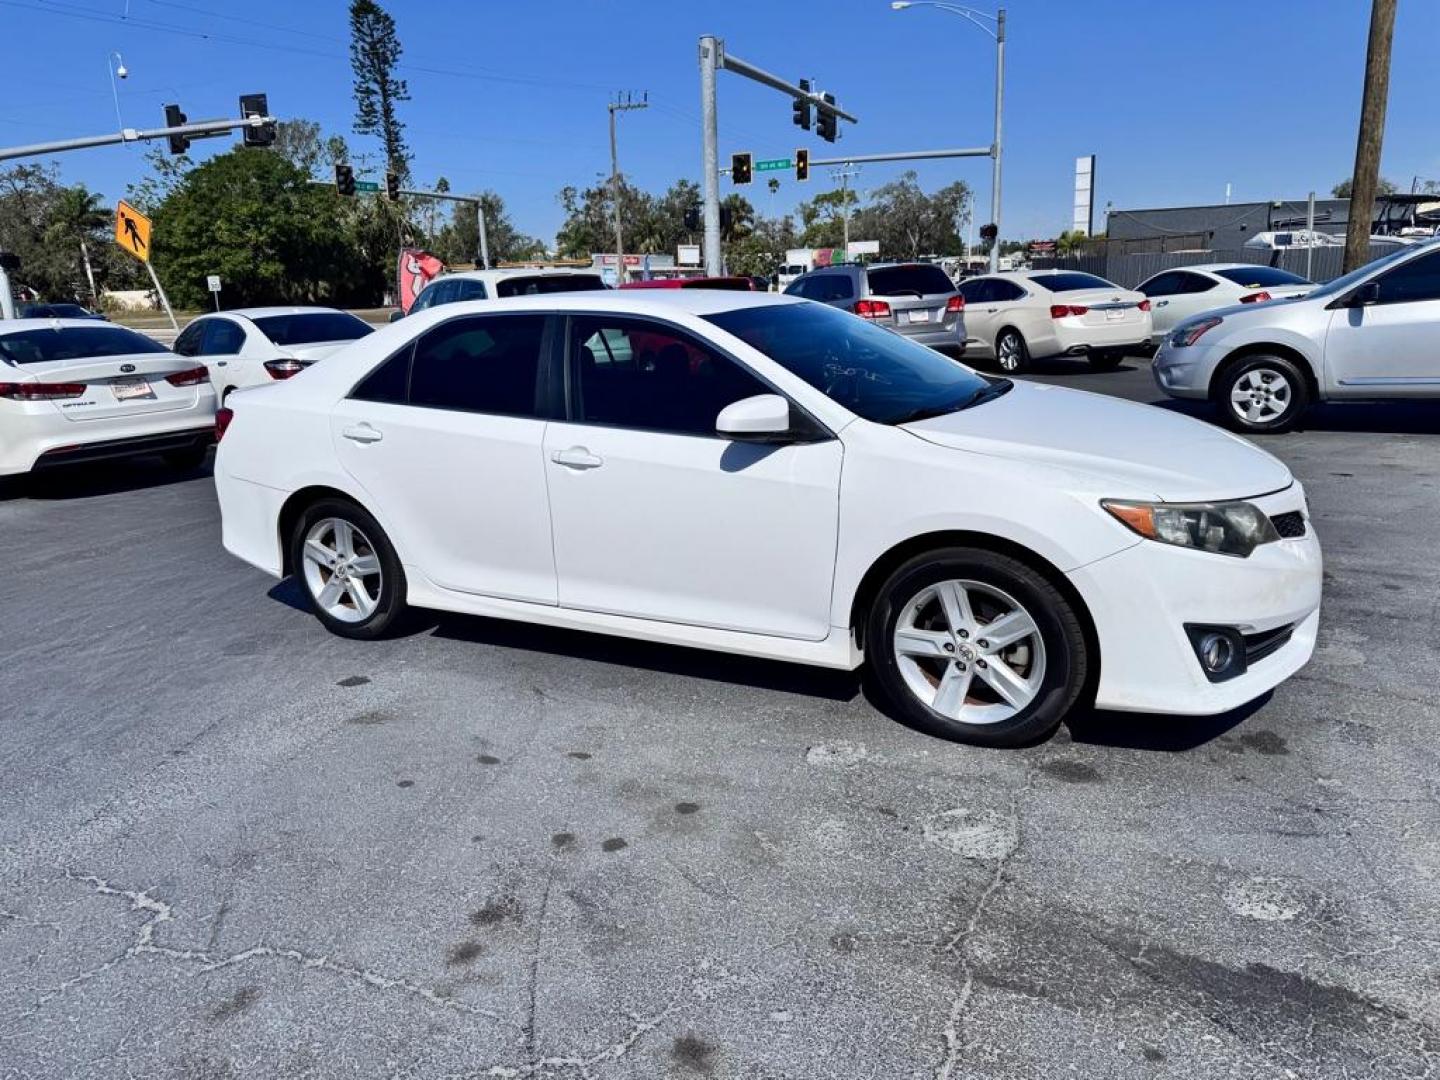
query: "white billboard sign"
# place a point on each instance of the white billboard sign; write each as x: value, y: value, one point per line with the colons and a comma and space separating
x: 1083, y: 219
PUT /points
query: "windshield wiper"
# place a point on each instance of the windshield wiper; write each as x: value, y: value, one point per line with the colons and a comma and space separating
x: 986, y: 393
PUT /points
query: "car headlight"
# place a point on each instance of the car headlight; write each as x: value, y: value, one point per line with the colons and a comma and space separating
x: 1189, y: 333
x: 1226, y: 528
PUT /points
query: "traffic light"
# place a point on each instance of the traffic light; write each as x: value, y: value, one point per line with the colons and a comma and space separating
x: 175, y: 118
x: 740, y: 171
x: 392, y: 187
x: 800, y: 112
x: 256, y: 105
x: 802, y: 164
x: 826, y: 124
x: 988, y: 233
x: 345, y: 180
x: 692, y: 219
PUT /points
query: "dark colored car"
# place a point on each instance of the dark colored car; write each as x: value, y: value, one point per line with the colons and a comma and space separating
x: 56, y: 311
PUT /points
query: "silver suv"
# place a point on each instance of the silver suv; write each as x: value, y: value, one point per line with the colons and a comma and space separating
x: 1369, y: 335
x: 917, y: 300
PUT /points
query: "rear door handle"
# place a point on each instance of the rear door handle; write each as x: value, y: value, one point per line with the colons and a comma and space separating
x: 362, y: 433
x: 577, y: 457
x: 1161, y: 303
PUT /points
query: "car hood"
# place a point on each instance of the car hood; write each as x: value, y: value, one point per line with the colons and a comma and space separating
x: 1138, y: 450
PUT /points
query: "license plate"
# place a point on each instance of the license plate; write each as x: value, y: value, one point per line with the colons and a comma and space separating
x: 1115, y: 314
x: 131, y: 389
x: 919, y: 316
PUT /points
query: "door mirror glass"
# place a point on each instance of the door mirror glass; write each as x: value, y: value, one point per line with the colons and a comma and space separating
x: 1365, y: 295
x: 762, y: 418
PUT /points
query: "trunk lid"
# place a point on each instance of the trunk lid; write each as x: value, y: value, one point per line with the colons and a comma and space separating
x: 115, y: 385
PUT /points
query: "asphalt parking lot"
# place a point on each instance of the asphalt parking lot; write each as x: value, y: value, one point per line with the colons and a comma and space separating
x: 233, y: 845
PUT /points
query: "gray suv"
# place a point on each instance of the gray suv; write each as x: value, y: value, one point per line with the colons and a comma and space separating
x: 917, y: 300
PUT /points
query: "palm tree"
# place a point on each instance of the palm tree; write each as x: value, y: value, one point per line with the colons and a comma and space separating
x: 76, y: 215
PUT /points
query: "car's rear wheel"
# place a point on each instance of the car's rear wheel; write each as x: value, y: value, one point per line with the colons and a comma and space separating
x: 1106, y: 359
x: 976, y: 646
x: 1011, y: 352
x: 349, y: 569
x: 1262, y: 394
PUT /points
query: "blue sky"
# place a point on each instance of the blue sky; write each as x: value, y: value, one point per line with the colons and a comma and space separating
x: 1176, y: 97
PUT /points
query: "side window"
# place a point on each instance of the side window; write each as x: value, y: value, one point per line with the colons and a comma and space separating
x: 1002, y: 290
x: 977, y: 291
x: 466, y: 289
x: 188, y: 343
x: 1418, y: 279
x: 388, y: 382
x: 1167, y: 284
x: 431, y: 295
x: 488, y: 364
x: 222, y: 338
x: 799, y: 287
x: 837, y: 287
x: 1194, y: 283
x: 651, y: 377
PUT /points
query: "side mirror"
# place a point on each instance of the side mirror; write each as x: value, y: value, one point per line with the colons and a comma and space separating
x: 396, y: 315
x: 762, y: 418
x: 1365, y: 295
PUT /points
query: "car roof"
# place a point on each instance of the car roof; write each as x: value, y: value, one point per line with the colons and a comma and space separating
x: 266, y: 312
x: 658, y: 302
x: 519, y: 271
x: 16, y: 326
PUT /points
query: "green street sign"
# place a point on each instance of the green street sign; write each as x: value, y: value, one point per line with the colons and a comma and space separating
x: 774, y: 164
x: 369, y: 186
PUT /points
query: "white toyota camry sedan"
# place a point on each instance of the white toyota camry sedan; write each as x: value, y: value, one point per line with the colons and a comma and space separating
x: 76, y: 390
x: 253, y: 346
x: 772, y: 477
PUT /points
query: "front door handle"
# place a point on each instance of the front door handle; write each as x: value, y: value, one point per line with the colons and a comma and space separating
x: 1161, y: 303
x: 362, y: 433
x: 577, y: 457
x: 990, y: 310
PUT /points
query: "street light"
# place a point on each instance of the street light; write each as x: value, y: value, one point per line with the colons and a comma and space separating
x: 116, y: 66
x: 975, y: 17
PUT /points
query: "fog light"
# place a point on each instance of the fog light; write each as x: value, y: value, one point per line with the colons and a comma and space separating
x: 1220, y: 650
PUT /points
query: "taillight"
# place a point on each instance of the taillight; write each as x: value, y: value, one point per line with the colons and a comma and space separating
x: 189, y: 377
x: 955, y: 304
x: 1144, y: 305
x: 872, y: 309
x: 283, y: 369
x: 1059, y: 311
x: 223, y: 417
x: 41, y: 391
x: 1255, y: 297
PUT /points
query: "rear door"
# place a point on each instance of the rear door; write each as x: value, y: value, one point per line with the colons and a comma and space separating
x: 445, y: 437
x: 1177, y: 295
x: 1391, y: 348
x: 917, y: 294
x: 980, y: 311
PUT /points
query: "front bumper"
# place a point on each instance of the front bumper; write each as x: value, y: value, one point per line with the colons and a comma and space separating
x: 1141, y: 599
x: 1186, y: 372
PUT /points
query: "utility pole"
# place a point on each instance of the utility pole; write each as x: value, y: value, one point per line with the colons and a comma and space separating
x: 999, y: 110
x: 843, y: 175
x: 618, y: 106
x: 1372, y: 132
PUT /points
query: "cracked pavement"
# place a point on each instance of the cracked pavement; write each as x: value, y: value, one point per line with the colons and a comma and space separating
x: 232, y: 845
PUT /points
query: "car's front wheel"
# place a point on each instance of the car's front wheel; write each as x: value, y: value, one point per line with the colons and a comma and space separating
x: 976, y: 646
x: 1011, y: 352
x: 349, y: 569
x: 1262, y: 394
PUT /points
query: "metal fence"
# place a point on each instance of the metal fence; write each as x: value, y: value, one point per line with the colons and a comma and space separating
x: 1128, y: 269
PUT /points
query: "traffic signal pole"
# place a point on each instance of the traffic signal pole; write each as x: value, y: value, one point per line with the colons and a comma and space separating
x: 472, y: 200
x: 713, y: 59
x: 199, y: 130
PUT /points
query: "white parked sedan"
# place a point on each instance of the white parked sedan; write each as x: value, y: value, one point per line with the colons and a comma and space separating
x: 254, y: 346
x: 773, y: 477
x: 1181, y: 294
x: 1032, y: 314
x: 75, y: 390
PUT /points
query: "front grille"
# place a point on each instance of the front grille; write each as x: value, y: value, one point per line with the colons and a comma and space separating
x: 1259, y: 646
x: 1290, y: 525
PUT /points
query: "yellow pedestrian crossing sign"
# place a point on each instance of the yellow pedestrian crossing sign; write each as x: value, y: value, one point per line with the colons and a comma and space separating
x: 132, y: 231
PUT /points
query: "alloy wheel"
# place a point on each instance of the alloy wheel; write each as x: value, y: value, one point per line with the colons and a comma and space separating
x: 1008, y: 352
x: 969, y: 651
x: 1260, y: 395
x: 342, y: 570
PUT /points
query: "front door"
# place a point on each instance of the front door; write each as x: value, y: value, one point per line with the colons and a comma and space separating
x: 445, y: 437
x: 1390, y: 348
x: 656, y: 516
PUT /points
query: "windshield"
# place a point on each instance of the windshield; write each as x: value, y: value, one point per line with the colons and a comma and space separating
x: 1070, y: 281
x: 534, y: 285
x: 47, y: 345
x: 312, y: 327
x: 1260, y: 277
x: 872, y: 372
x: 1346, y: 281
x: 917, y: 279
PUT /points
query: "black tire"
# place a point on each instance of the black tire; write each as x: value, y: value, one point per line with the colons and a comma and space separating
x: 389, y: 606
x: 1276, y: 394
x: 1106, y: 359
x: 1066, y: 661
x: 1016, y: 362
x: 186, y: 459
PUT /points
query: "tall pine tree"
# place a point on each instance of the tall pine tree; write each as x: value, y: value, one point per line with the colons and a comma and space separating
x: 374, y: 54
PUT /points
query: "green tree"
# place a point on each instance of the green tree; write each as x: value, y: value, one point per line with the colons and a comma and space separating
x: 75, y: 227
x: 459, y: 241
x: 253, y: 218
x: 589, y: 224
x: 822, y: 219
x: 1342, y: 189
x: 1069, y: 243
x: 908, y: 223
x: 374, y: 53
